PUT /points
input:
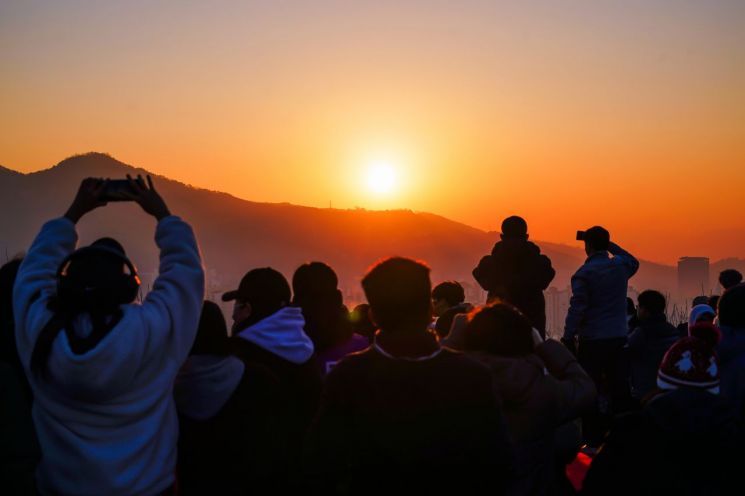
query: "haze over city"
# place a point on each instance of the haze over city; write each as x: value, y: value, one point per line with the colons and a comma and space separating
x: 570, y: 114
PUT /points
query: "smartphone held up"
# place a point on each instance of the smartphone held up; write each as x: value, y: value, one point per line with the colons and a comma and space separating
x: 118, y: 190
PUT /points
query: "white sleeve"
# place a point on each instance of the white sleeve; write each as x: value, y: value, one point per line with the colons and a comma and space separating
x: 172, y: 309
x: 36, y: 282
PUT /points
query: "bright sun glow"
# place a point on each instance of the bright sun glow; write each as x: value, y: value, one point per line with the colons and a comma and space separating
x: 381, y: 177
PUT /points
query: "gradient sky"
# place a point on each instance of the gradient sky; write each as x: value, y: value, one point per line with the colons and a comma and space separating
x: 628, y: 114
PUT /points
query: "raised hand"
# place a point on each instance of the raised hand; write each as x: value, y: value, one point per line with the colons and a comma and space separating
x: 148, y: 198
x: 88, y: 197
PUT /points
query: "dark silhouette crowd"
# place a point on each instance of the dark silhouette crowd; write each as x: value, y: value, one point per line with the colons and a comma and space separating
x: 105, y: 390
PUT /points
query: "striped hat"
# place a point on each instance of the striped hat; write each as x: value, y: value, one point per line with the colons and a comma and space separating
x: 692, y: 361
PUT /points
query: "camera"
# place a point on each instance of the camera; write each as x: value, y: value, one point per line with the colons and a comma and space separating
x: 580, y: 235
x: 117, y: 190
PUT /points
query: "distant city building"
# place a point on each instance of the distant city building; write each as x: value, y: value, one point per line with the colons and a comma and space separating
x: 693, y: 276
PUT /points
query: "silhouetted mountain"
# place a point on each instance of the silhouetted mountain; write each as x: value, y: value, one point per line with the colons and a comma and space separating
x: 236, y: 234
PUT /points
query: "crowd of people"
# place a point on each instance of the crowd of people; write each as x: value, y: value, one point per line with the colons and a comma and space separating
x: 102, y: 392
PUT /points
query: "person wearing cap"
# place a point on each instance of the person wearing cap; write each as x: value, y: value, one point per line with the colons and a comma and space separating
x: 596, y: 327
x: 267, y: 331
x: 231, y: 440
x: 517, y: 272
x: 729, y: 278
x: 686, y: 439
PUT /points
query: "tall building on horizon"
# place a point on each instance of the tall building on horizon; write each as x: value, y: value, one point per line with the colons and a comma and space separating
x: 693, y: 276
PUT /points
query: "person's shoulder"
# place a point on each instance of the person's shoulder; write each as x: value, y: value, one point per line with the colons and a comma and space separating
x: 462, y: 361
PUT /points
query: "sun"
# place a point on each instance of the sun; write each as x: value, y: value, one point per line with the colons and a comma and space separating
x: 381, y: 177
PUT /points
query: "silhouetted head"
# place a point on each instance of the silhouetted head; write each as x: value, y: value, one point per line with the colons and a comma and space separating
x: 596, y: 239
x: 729, y: 278
x: 732, y: 307
x: 8, y: 350
x: 8, y: 273
x: 314, y: 287
x: 212, y: 333
x: 261, y: 293
x: 361, y: 323
x: 700, y: 300
x: 399, y: 293
x: 447, y: 295
x: 97, y: 278
x: 499, y: 329
x: 651, y: 303
x: 514, y: 227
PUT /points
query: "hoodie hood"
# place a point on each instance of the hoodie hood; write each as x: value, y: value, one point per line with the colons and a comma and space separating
x: 282, y: 334
x: 205, y: 383
x: 514, y: 376
x: 697, y: 312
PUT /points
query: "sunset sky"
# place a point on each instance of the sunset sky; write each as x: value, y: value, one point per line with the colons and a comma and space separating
x: 629, y: 114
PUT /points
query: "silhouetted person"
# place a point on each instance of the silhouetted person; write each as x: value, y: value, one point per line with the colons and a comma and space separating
x: 596, y: 324
x: 731, y: 348
x: 649, y: 342
x: 102, y: 367
x: 407, y: 414
x: 714, y: 301
x: 361, y: 323
x: 8, y: 348
x: 448, y: 300
x: 535, y: 403
x: 684, y: 441
x: 327, y: 323
x: 516, y: 272
x: 268, y: 332
x: 231, y: 437
x: 729, y: 278
x: 632, y: 317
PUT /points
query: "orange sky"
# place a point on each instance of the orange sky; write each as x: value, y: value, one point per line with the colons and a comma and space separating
x: 569, y: 113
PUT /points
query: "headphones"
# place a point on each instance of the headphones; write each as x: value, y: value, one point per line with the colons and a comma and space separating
x: 123, y: 288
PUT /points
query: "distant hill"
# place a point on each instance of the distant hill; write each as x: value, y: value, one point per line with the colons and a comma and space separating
x: 236, y: 234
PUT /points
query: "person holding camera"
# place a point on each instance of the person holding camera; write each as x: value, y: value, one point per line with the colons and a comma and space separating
x: 596, y: 328
x: 101, y: 365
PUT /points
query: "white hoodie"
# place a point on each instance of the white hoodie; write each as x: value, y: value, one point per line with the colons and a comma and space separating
x: 282, y: 334
x: 106, y: 419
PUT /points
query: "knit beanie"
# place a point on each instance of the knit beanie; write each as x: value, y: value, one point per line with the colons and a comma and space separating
x: 691, y: 361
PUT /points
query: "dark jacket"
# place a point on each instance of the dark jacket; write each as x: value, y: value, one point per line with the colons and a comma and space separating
x: 683, y: 442
x: 597, y: 308
x: 19, y: 448
x: 539, y: 392
x: 646, y: 347
x: 299, y: 384
x: 231, y: 438
x: 731, y: 352
x: 410, y: 424
x: 516, y: 272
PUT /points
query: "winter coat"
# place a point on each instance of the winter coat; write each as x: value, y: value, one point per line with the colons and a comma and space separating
x: 106, y: 418
x: 232, y: 438
x: 597, y: 308
x: 418, y: 418
x: 279, y: 344
x: 645, y: 349
x: 516, y: 272
x: 540, y: 392
x: 19, y: 448
x: 683, y: 442
x: 731, y: 353
x: 327, y: 359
